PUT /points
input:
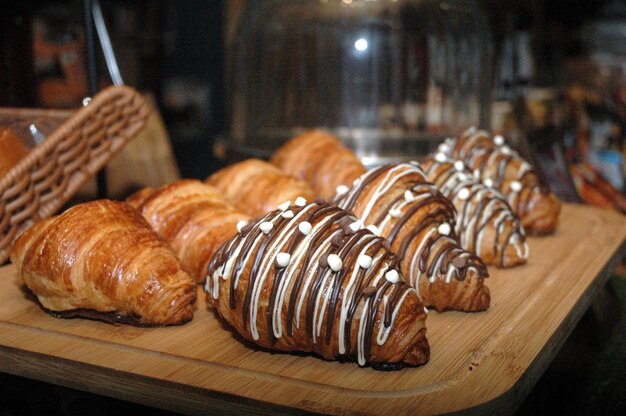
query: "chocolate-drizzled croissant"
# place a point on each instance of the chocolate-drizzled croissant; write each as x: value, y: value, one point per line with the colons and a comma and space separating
x: 257, y: 187
x: 498, y: 166
x: 300, y: 279
x: 102, y: 260
x: 398, y: 203
x: 484, y: 223
x: 321, y: 160
x: 192, y: 216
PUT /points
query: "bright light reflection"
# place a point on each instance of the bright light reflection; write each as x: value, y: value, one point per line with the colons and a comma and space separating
x: 360, y: 44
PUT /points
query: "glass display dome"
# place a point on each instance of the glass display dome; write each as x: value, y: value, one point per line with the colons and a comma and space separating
x: 390, y: 77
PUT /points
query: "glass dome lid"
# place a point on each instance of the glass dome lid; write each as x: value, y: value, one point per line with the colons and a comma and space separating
x: 390, y: 77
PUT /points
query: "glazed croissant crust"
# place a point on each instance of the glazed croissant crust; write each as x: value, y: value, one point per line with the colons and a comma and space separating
x: 301, y: 279
x: 102, y: 260
x: 192, y: 216
x: 485, y: 224
x: 397, y: 202
x: 321, y: 160
x: 499, y: 167
x: 257, y: 187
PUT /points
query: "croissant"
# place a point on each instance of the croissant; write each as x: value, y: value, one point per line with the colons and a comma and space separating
x: 321, y: 160
x: 499, y: 167
x: 397, y: 202
x: 257, y: 187
x: 300, y: 279
x: 485, y: 224
x: 192, y: 216
x: 101, y: 260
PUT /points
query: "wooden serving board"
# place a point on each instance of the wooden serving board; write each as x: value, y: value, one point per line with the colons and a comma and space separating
x: 480, y: 363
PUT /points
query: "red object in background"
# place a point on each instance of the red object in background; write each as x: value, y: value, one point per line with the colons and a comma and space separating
x: 59, y: 65
x: 594, y: 189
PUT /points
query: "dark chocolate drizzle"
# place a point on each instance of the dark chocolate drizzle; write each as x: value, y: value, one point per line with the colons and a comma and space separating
x: 346, y: 243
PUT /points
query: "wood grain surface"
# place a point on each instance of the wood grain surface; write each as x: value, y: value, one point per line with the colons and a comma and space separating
x: 480, y: 363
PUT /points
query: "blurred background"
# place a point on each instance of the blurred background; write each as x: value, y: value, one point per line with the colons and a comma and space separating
x: 233, y: 78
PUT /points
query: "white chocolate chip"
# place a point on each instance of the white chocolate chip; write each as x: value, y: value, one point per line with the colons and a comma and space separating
x: 356, y: 226
x: 334, y: 262
x: 408, y: 196
x: 498, y: 140
x: 266, y: 226
x: 305, y: 227
x: 477, y: 174
x: 459, y: 166
x: 440, y: 157
x: 463, y: 194
x: 516, y: 186
x: 300, y: 201
x: 443, y: 147
x: 488, y: 183
x: 505, y: 150
x: 395, y: 213
x: 283, y: 259
x: 392, y: 276
x: 373, y: 229
x: 284, y: 205
x: 444, y: 229
x: 241, y: 224
x: 341, y: 189
x: 365, y: 261
x: 415, y: 163
x: 462, y: 176
x: 287, y: 214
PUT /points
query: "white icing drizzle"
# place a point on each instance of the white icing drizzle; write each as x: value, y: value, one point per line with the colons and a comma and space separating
x: 266, y: 227
x: 341, y: 189
x: 305, y: 227
x: 466, y: 192
x: 392, y: 276
x: 276, y: 256
x: 241, y: 224
x: 335, y: 262
x: 284, y: 205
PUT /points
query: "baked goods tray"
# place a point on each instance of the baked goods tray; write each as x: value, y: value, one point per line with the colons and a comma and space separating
x: 480, y: 363
x: 79, y: 145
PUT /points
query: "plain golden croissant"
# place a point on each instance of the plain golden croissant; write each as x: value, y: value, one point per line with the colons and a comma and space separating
x: 498, y: 166
x: 485, y: 224
x: 321, y: 160
x: 257, y: 187
x: 300, y: 279
x: 192, y: 216
x: 102, y: 260
x: 397, y: 202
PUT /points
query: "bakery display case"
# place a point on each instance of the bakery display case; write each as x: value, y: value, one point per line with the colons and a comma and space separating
x: 391, y: 78
x: 410, y: 230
